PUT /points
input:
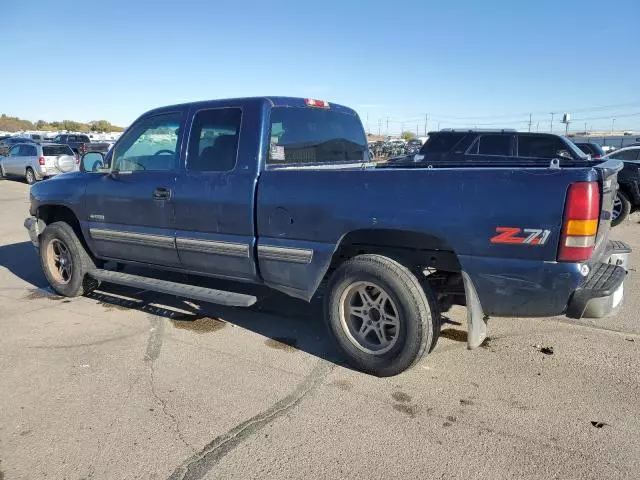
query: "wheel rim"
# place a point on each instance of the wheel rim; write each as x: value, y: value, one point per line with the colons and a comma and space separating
x: 59, y: 261
x: 29, y: 176
x: 369, y: 318
x: 617, y: 208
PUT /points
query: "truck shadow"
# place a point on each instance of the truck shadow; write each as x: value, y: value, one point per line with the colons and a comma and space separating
x: 287, y: 323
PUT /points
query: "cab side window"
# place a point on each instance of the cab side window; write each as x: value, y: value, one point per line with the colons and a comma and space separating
x: 540, y: 146
x: 626, y: 155
x: 492, y: 145
x: 213, y: 142
x: 150, y: 145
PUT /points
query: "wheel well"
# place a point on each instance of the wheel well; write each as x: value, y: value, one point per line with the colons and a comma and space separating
x: 413, y: 249
x: 59, y: 213
x: 429, y: 257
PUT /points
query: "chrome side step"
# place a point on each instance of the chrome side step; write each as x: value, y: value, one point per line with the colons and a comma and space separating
x: 194, y: 292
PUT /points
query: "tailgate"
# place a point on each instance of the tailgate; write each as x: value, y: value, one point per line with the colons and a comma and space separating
x: 97, y: 147
x: 609, y: 186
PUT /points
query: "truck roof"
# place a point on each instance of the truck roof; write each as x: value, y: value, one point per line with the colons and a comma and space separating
x: 272, y: 101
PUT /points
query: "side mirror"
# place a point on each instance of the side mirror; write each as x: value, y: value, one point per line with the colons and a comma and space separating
x: 564, y: 154
x: 92, y: 162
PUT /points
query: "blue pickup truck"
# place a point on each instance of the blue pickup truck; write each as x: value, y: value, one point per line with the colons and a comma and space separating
x: 281, y: 192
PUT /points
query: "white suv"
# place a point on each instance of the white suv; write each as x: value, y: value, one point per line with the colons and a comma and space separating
x: 35, y: 162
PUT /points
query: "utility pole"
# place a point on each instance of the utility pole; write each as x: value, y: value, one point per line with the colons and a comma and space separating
x: 529, y: 123
x: 402, y: 129
x: 417, y: 131
x: 438, y: 126
x: 537, y: 127
x: 368, y: 129
x: 426, y: 121
x: 613, y: 125
x: 585, y: 128
x: 551, y: 129
x: 379, y: 126
x: 387, y: 126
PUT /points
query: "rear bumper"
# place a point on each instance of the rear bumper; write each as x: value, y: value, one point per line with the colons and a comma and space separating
x: 602, y: 292
x: 508, y: 287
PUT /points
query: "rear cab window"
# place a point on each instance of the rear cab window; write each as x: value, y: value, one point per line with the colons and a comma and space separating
x: 309, y: 136
x: 56, y: 150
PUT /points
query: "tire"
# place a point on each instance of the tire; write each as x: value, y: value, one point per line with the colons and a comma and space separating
x: 30, y: 176
x: 356, y: 282
x: 59, y: 239
x: 624, y: 208
x: 2, y: 175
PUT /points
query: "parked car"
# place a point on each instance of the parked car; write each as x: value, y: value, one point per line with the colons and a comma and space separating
x: 413, y: 146
x: 628, y: 197
x: 35, y: 162
x: 81, y: 143
x: 8, y: 142
x: 592, y: 149
x: 496, y: 148
x: 279, y: 192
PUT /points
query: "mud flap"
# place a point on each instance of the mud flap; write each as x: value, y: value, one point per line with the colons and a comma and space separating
x: 477, y: 325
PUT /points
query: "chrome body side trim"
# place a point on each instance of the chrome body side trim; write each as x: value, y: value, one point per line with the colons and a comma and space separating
x: 213, y: 247
x: 285, y: 254
x: 144, y: 239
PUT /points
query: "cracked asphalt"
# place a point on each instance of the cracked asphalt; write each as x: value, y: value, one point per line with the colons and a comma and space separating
x: 128, y: 384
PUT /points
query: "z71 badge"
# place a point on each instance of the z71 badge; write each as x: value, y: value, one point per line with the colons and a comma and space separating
x: 516, y: 236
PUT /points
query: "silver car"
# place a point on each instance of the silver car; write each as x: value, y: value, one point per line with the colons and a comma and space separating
x: 35, y: 162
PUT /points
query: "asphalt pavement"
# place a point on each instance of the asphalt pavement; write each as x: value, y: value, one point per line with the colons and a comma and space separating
x: 126, y: 384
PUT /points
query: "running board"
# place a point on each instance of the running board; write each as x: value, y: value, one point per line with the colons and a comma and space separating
x: 221, y: 297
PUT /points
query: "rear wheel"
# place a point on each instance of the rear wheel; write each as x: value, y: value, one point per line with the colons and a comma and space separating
x: 65, y: 262
x: 621, y: 208
x: 30, y: 176
x: 380, y: 316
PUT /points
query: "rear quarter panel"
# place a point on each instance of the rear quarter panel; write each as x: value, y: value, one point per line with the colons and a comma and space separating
x: 313, y: 209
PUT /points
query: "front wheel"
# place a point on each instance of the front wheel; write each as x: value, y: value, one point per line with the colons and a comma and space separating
x: 380, y: 315
x: 65, y: 262
x: 621, y: 209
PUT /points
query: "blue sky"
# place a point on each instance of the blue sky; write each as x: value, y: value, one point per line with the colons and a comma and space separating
x: 465, y: 63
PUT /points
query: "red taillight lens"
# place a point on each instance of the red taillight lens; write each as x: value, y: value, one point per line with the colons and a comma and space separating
x: 84, y: 148
x: 41, y: 160
x: 581, y: 214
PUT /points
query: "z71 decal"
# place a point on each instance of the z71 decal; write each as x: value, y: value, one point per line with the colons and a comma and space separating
x: 517, y: 236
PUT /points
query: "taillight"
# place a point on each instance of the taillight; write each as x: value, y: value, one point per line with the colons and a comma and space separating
x: 41, y: 160
x: 84, y: 148
x: 581, y: 214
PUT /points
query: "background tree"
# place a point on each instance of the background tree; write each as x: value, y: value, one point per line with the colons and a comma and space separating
x: 408, y: 135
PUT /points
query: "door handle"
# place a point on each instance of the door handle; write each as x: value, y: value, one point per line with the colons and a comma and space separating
x: 161, y: 193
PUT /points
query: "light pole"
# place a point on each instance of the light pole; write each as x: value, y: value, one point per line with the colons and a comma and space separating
x: 551, y: 129
x: 613, y: 125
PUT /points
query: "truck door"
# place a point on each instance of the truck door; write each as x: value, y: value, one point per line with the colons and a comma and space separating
x: 214, y: 194
x: 130, y: 210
